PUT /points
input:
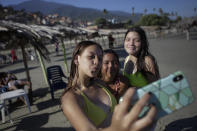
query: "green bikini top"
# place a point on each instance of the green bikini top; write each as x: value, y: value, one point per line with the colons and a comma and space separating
x: 136, y: 79
x: 95, y: 113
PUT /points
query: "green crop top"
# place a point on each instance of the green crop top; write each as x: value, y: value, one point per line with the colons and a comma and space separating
x: 95, y: 113
x: 136, y: 79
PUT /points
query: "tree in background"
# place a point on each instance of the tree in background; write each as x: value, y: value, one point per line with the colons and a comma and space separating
x: 145, y: 11
x: 194, y: 11
x: 154, y: 9
x: 6, y: 11
x: 160, y: 11
x: 133, y: 13
x: 105, y: 12
x: 172, y: 13
x: 153, y: 19
x: 100, y: 22
x: 178, y: 19
x: 176, y: 14
x: 1, y: 12
x: 128, y: 23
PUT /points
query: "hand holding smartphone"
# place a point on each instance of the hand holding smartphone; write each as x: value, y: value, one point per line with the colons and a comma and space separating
x: 168, y: 94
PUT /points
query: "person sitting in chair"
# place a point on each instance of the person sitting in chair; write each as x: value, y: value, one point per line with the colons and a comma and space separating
x: 12, y: 82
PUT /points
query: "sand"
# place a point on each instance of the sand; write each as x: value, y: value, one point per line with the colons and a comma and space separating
x: 172, y: 54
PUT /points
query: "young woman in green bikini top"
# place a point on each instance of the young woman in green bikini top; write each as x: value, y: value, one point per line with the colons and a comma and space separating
x: 140, y: 66
x: 87, y: 103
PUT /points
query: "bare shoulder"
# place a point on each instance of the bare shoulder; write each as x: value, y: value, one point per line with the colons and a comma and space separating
x: 68, y: 96
x: 152, y: 67
x: 71, y: 98
x: 149, y: 59
x: 74, y: 112
x: 150, y: 63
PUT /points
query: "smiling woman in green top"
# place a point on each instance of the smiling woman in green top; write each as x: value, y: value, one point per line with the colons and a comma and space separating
x: 111, y: 75
x: 89, y: 105
x: 140, y: 66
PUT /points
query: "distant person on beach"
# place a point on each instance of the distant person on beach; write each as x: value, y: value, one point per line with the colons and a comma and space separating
x: 56, y: 48
x: 110, y: 74
x: 89, y: 105
x: 140, y: 66
x: 13, y: 56
x: 111, y: 41
x: 4, y: 87
x: 4, y: 83
x: 3, y: 59
x: 56, y: 44
x: 32, y: 55
x: 11, y: 81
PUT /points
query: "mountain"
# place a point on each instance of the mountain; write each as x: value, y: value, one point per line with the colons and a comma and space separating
x: 74, y: 12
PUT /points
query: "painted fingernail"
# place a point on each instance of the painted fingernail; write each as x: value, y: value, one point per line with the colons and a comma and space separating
x: 152, y: 104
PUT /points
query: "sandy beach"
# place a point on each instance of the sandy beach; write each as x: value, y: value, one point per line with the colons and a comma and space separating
x: 172, y: 54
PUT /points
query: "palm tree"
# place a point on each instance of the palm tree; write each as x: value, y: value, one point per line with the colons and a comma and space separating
x: 172, y: 13
x: 145, y: 11
x: 133, y: 14
x: 154, y: 9
x: 1, y: 12
x: 161, y: 11
x: 176, y: 14
x: 10, y: 10
x: 105, y: 12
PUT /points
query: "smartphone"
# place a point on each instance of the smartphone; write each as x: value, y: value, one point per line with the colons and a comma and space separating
x: 169, y: 94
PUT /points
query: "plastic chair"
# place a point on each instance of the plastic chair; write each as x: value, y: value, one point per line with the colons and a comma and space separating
x: 54, y: 76
x: 3, y: 108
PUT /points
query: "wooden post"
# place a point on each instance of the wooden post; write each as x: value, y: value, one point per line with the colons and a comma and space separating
x: 30, y: 93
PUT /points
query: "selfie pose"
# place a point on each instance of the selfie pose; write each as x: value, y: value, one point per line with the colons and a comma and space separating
x: 89, y: 105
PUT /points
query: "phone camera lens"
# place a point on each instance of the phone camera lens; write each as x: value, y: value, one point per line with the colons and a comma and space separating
x: 178, y: 78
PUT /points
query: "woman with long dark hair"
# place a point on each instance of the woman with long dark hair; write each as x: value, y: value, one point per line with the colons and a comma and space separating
x: 140, y: 66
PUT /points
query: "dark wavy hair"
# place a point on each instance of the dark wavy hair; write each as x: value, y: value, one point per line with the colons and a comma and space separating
x: 81, y: 46
x: 144, y: 51
x: 109, y: 51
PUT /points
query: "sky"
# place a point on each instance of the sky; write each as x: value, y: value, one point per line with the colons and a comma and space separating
x: 184, y: 8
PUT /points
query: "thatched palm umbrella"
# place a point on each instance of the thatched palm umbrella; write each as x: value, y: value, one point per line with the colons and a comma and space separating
x: 20, y: 35
x: 69, y: 34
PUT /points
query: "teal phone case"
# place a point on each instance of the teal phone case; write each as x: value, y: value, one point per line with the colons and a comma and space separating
x: 169, y: 94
